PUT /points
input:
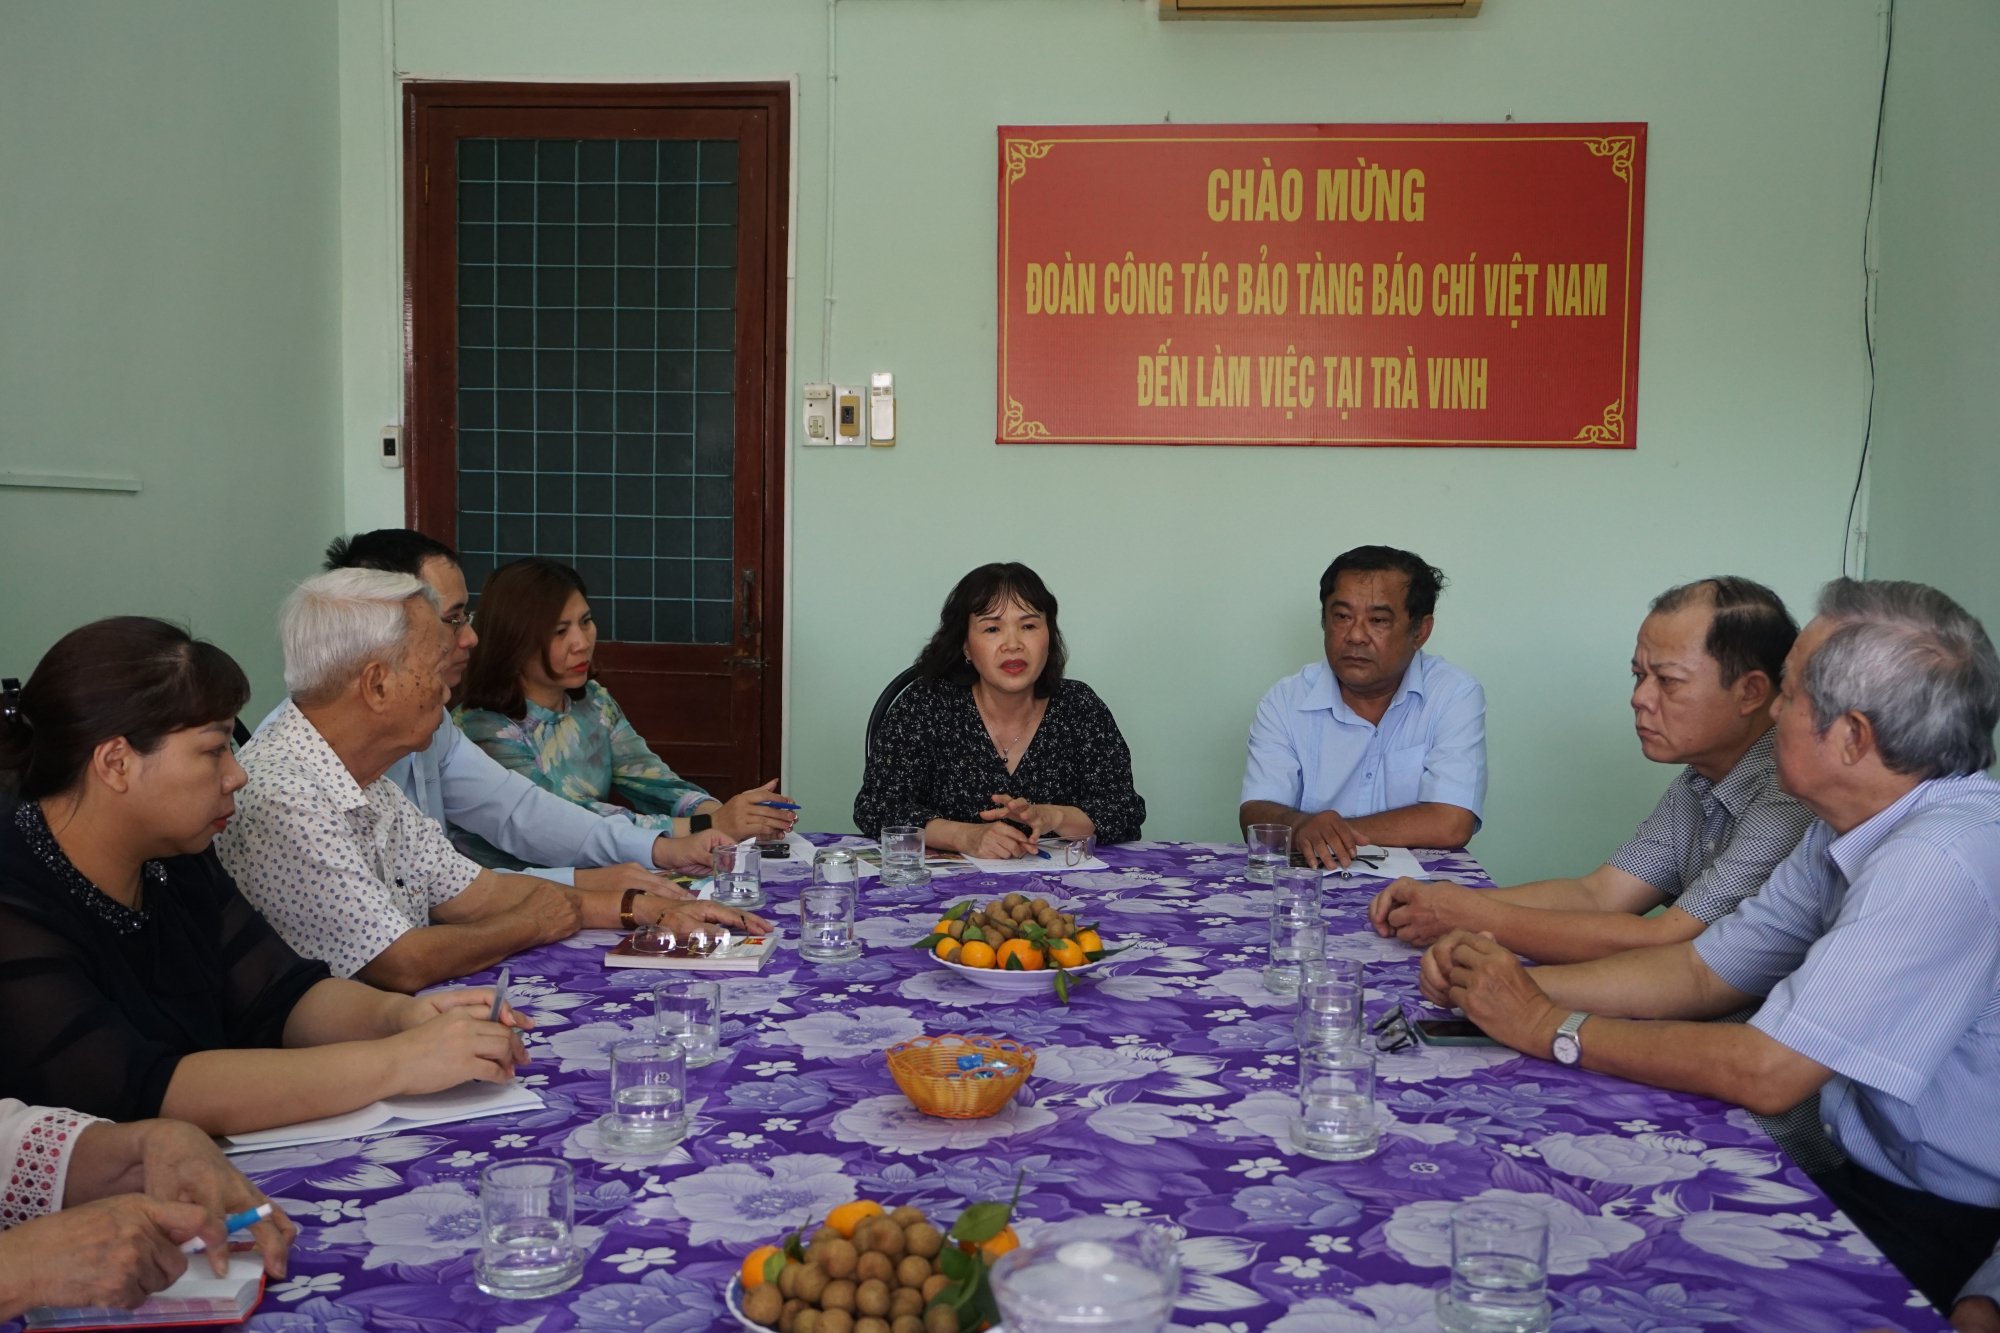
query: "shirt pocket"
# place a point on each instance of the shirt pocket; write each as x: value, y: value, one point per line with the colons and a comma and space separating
x: 1403, y: 775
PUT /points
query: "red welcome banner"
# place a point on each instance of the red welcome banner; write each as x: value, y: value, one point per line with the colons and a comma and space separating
x: 1321, y: 284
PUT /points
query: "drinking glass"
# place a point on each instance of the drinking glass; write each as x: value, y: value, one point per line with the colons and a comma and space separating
x: 903, y: 856
x: 1270, y: 851
x: 690, y: 1012
x: 1336, y: 1103
x: 739, y: 876
x: 1296, y: 928
x: 1102, y: 1274
x: 826, y: 926
x: 1499, y: 1269
x: 648, y: 1096
x: 526, y: 1208
x: 1330, y: 999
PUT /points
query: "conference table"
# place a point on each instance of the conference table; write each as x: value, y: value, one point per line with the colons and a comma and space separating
x: 1161, y: 1091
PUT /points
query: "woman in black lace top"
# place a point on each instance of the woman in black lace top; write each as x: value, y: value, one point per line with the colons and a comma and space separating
x: 992, y: 746
x: 135, y: 979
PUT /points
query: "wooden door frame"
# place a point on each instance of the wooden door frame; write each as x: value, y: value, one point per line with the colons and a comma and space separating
x: 430, y: 453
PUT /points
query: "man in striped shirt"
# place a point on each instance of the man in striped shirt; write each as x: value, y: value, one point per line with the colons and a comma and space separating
x: 1875, y: 946
x: 1707, y: 664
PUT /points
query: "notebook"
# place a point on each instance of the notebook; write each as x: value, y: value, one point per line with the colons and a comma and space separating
x: 468, y: 1101
x: 725, y: 953
x: 200, y: 1297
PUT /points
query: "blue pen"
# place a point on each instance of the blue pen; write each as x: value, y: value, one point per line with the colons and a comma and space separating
x: 782, y: 805
x: 499, y: 995
x: 234, y: 1223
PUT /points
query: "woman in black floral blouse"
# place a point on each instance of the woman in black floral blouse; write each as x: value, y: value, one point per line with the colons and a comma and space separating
x: 992, y: 746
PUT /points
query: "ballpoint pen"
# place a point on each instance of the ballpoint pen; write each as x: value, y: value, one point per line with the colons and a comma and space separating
x: 782, y: 805
x: 234, y: 1223
x: 499, y: 996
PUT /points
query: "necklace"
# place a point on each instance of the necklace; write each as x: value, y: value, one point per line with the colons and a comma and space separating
x: 1006, y: 748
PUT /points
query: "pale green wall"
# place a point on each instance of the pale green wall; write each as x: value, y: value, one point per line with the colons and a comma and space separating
x: 169, y: 274
x: 1187, y: 575
x: 1936, y: 485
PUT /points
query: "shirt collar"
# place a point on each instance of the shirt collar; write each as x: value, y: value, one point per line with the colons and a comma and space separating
x: 1851, y: 850
x: 1323, y: 695
x: 316, y: 760
x: 1741, y: 785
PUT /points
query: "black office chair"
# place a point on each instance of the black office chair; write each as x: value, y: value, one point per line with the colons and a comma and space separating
x: 240, y: 733
x: 890, y: 693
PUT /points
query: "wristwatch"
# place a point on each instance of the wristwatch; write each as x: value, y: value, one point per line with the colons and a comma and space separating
x: 1568, y: 1046
x: 627, y: 921
x: 700, y: 823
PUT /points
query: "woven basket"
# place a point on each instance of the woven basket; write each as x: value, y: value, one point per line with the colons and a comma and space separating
x: 927, y: 1070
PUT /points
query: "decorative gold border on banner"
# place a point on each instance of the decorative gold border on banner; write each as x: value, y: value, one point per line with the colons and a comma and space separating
x: 1016, y: 427
x: 1620, y: 152
x: 1020, y: 152
x: 1613, y: 429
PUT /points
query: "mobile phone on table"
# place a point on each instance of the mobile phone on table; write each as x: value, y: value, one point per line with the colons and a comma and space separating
x: 1451, y: 1032
x: 775, y: 850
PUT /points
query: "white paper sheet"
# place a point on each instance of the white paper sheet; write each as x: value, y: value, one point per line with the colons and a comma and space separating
x: 468, y: 1101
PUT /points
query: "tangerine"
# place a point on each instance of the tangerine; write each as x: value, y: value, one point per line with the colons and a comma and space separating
x: 753, y: 1266
x: 945, y: 947
x: 1088, y: 941
x: 977, y: 953
x: 994, y: 1246
x: 849, y: 1216
x: 1067, y: 953
x: 943, y: 927
x: 1031, y: 957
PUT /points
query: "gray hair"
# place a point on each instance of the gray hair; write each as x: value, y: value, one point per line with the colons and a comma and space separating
x: 1917, y: 665
x: 336, y: 623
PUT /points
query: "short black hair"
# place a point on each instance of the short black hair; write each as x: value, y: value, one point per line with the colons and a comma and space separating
x: 988, y: 586
x: 1426, y: 580
x: 393, y: 550
x: 1750, y: 631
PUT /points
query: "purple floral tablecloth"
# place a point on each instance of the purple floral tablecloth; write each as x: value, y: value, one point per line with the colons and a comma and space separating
x: 1161, y: 1092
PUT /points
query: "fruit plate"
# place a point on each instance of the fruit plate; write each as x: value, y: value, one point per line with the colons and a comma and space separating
x: 732, y: 1295
x: 1023, y: 982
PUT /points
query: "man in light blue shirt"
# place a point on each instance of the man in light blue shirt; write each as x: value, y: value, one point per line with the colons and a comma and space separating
x: 1875, y: 946
x: 1378, y: 743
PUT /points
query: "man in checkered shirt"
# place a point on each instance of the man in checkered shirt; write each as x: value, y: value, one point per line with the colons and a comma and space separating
x: 1709, y: 660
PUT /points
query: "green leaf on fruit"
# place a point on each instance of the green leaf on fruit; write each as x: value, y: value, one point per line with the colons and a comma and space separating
x: 982, y: 1222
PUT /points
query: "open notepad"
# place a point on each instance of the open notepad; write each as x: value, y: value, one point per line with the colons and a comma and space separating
x: 468, y: 1101
x: 200, y: 1297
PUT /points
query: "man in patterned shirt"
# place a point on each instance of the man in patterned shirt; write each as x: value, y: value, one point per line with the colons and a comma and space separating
x: 1709, y: 661
x: 1875, y: 946
x: 333, y: 853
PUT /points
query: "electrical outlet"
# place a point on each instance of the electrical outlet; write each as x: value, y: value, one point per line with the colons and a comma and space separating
x: 849, y: 409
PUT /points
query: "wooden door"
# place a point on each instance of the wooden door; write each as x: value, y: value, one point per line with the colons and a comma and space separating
x: 594, y: 303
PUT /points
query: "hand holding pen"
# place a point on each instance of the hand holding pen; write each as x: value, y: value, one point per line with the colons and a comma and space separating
x: 762, y: 812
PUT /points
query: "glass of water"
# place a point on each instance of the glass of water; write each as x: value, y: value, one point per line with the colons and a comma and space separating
x: 739, y: 875
x: 1296, y: 928
x: 903, y: 856
x: 1270, y: 851
x: 826, y: 918
x: 690, y: 1012
x: 1336, y: 1102
x: 526, y: 1209
x: 1330, y: 999
x: 648, y: 1096
x: 1499, y: 1269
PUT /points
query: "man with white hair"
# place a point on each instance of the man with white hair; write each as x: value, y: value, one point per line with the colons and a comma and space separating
x: 333, y: 853
x: 1875, y: 946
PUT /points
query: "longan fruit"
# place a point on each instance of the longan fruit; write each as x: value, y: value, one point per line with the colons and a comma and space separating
x: 840, y: 1258
x: 1013, y: 900
x: 839, y: 1295
x: 906, y: 1301
x: 805, y: 1320
x: 933, y: 1285
x: 907, y: 1215
x: 871, y: 1325
x: 788, y: 1281
x: 888, y: 1238
x: 764, y: 1305
x: 872, y: 1297
x: 789, y: 1315
x: 811, y: 1283
x: 913, y: 1270
x: 907, y: 1323
x: 923, y: 1239
x: 874, y: 1265
x: 835, y: 1321
x: 937, y: 1319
